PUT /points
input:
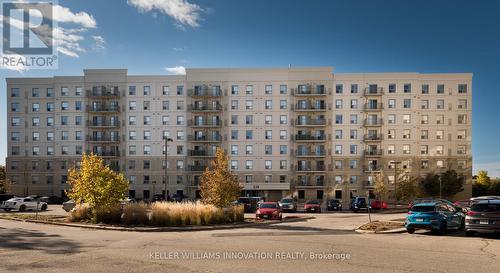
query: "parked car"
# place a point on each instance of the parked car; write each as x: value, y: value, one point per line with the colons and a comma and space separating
x: 5, y: 197
x: 334, y: 204
x: 158, y: 198
x: 22, y: 204
x: 126, y: 201
x: 378, y: 205
x: 269, y: 210
x: 432, y: 199
x: 55, y: 200
x: 249, y: 204
x: 359, y: 203
x: 478, y: 199
x: 483, y: 217
x: 68, y: 205
x: 288, y: 204
x: 435, y: 216
x: 312, y: 206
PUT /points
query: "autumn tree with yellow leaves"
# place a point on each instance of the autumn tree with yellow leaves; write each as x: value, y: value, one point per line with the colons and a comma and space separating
x: 219, y: 186
x: 96, y: 184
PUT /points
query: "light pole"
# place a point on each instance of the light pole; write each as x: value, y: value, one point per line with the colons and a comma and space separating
x: 167, y: 139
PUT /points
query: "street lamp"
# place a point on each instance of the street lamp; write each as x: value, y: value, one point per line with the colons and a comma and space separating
x: 167, y: 139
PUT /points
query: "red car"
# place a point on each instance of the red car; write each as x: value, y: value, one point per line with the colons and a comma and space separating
x: 269, y: 210
x: 378, y: 205
x: 312, y: 206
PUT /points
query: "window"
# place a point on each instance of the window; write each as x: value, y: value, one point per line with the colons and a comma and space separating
x: 78, y: 105
x: 353, y: 149
x: 64, y: 150
x: 406, y: 149
x: 283, y: 104
x: 36, y: 150
x: 132, y: 105
x: 15, y: 150
x: 338, y: 119
x: 392, y: 88
x: 249, y: 164
x: 147, y: 120
x: 462, y: 119
x: 424, y: 134
x: 36, y: 121
x: 461, y: 134
x: 50, y: 136
x: 354, y: 134
x: 16, y: 136
x: 249, y: 134
x: 180, y: 135
x: 283, y: 165
x: 462, y: 104
x: 131, y: 90
x: 269, y: 89
x: 234, y: 135
x: 440, y: 119
x: 234, y: 119
x: 64, y: 135
x: 424, y: 149
x: 78, y: 91
x: 146, y: 105
x: 268, y: 134
x: 147, y: 149
x: 407, y: 103
x: 249, y: 105
x: 339, y: 89
x: 268, y: 178
x: 424, y: 164
x: 391, y: 118
x: 249, y: 119
x: 440, y: 88
x: 147, y: 135
x: 439, y: 134
x: 338, y: 134
x: 406, y: 134
x: 391, y: 104
x: 407, y: 119
x: 425, y: 89
x: 338, y: 104
x: 338, y: 149
x: 268, y: 104
x: 78, y: 135
x: 234, y: 149
x: 425, y: 104
x: 64, y: 91
x: 147, y: 90
x: 268, y: 164
x: 35, y: 107
x: 391, y: 134
x: 234, y: 90
x: 440, y: 163
x: 15, y: 107
x: 268, y: 119
x: 165, y: 105
x: 338, y: 164
x: 462, y: 88
x: 354, y: 119
x: 249, y: 149
x: 132, y: 120
x: 440, y: 104
x: 354, y: 88
x: 283, y: 119
x: 283, y: 134
x: 78, y: 120
x: 64, y: 105
x: 14, y: 92
x: 180, y: 105
x: 439, y: 149
x: 234, y: 105
x: 283, y: 149
x: 283, y: 89
x: 354, y: 104
x: 180, y: 90
x: 407, y: 88
x: 35, y: 92
x: 268, y: 149
x: 249, y: 90
x: 234, y: 164
x: 15, y: 121
x: 165, y: 90
x: 391, y: 149
x: 425, y: 119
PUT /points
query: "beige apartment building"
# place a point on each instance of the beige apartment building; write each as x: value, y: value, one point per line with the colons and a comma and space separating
x: 301, y: 132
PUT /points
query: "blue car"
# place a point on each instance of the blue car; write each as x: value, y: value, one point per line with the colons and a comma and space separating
x: 436, y: 216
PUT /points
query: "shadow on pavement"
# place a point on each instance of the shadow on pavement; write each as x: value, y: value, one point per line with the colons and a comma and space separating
x: 456, y: 233
x: 288, y: 230
x: 24, y: 239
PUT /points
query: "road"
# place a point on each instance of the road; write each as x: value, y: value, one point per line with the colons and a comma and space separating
x: 325, y: 244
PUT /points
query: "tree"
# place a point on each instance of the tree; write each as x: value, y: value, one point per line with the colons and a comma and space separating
x: 483, y: 178
x: 451, y: 183
x: 219, y: 186
x: 408, y: 188
x: 96, y: 184
x: 430, y: 185
x: 4, y: 182
x: 380, y: 189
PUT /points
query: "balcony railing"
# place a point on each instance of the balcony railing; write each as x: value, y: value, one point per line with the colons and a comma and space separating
x: 300, y: 107
x: 302, y: 183
x: 205, y: 92
x: 205, y: 138
x: 311, y: 153
x: 310, y: 122
x: 103, y: 108
x: 310, y: 91
x: 204, y: 123
x: 202, y: 108
x: 374, y: 91
x: 105, y: 93
x: 102, y: 139
x: 103, y: 124
x: 373, y: 168
x: 373, y: 106
x: 376, y: 137
x: 373, y: 122
x: 310, y: 137
x: 311, y: 168
x: 375, y: 152
x: 197, y: 168
x: 201, y: 153
x: 105, y: 153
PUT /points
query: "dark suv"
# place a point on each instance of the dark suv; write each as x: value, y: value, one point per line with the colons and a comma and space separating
x: 334, y: 204
x: 359, y: 203
x: 483, y: 217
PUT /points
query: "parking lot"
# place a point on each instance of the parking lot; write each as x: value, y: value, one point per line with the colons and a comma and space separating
x: 303, y: 246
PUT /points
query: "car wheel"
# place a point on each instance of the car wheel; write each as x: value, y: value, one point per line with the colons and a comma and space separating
x: 22, y: 208
x: 469, y: 233
x: 44, y: 207
x: 410, y: 230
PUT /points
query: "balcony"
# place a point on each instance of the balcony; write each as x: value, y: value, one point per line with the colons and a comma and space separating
x: 204, y: 123
x: 105, y: 153
x: 105, y: 124
x: 205, y: 108
x: 305, y: 138
x: 309, y: 90
x: 102, y: 139
x: 374, y: 106
x: 369, y: 184
x: 104, y: 109
x: 310, y: 122
x: 310, y: 154
x: 373, y: 122
x: 195, y: 138
x: 306, y: 168
x: 310, y: 107
x: 205, y: 92
x: 197, y: 168
x: 372, y: 168
x: 375, y: 137
x: 308, y: 183
x: 103, y: 93
x: 370, y: 91
x: 201, y: 153
x: 374, y: 152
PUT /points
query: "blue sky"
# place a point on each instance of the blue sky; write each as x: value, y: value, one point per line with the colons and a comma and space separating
x: 147, y: 37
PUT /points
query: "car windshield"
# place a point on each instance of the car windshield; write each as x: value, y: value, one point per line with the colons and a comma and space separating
x: 243, y: 200
x: 268, y: 206
x: 313, y: 203
x: 334, y: 201
x: 422, y: 208
x: 485, y: 208
x: 286, y: 200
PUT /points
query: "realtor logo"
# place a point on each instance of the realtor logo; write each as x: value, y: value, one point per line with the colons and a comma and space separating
x: 28, y: 36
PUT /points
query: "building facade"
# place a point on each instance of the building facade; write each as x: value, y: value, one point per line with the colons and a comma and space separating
x: 302, y: 132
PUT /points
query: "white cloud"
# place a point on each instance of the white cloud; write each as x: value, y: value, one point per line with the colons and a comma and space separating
x: 65, y: 15
x: 178, y: 48
x: 100, y: 43
x: 176, y: 70
x: 183, y: 12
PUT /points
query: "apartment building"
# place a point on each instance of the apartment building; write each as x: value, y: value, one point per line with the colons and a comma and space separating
x: 302, y: 132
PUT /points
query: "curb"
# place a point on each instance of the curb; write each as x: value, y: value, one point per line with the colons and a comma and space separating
x: 390, y: 231
x: 160, y: 229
